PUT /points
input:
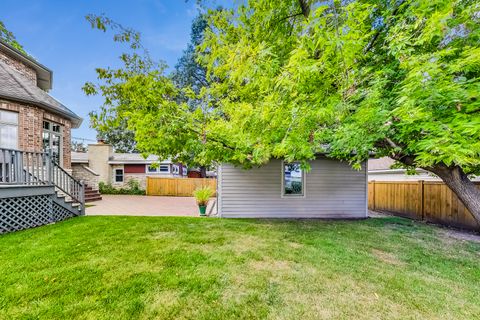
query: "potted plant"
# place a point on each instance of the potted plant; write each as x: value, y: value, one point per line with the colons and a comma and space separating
x: 202, y: 195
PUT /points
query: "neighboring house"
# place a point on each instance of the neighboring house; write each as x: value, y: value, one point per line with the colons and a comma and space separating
x: 196, y: 173
x: 35, y: 160
x: 331, y: 189
x: 117, y: 169
x: 380, y: 170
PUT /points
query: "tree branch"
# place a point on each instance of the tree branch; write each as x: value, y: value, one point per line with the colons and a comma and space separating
x: 305, y: 7
x: 290, y: 16
x: 380, y: 30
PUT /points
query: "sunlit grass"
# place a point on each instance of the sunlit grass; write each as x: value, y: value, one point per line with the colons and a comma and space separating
x: 164, y: 268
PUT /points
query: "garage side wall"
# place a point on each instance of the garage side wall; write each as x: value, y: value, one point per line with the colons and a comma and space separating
x: 332, y: 190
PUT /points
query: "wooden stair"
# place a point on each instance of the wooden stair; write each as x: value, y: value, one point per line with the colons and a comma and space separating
x: 92, y: 195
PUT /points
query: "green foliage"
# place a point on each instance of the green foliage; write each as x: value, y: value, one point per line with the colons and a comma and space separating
x: 291, y: 79
x: 202, y: 195
x: 8, y: 37
x: 189, y: 73
x: 133, y: 188
x: 153, y: 108
x: 118, y: 135
x: 78, y: 146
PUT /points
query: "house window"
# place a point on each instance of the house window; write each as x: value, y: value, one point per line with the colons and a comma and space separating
x: 118, y: 175
x: 175, y: 169
x: 8, y: 129
x: 52, y: 140
x: 163, y: 168
x: 293, y: 179
x: 184, y: 171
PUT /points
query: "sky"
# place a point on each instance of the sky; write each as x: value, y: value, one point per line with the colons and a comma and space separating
x: 56, y: 33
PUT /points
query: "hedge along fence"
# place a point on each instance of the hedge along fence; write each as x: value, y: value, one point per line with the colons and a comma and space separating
x: 420, y: 200
x: 179, y: 187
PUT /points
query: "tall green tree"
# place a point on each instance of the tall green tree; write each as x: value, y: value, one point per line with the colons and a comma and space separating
x: 112, y: 127
x: 296, y: 78
x: 188, y: 72
x: 117, y: 134
x: 399, y: 78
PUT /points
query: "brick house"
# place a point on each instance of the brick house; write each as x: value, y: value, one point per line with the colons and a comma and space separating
x: 36, y: 185
x: 30, y: 119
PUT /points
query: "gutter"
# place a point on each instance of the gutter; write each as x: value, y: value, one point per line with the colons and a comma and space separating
x: 76, y: 120
x: 39, y: 68
x: 419, y: 171
x: 135, y: 162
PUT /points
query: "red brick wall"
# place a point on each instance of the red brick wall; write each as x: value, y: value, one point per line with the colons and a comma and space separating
x: 30, y: 128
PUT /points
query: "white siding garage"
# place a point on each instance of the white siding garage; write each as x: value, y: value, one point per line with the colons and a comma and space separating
x: 331, y: 189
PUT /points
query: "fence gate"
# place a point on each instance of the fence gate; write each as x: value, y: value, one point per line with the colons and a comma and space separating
x: 178, y: 187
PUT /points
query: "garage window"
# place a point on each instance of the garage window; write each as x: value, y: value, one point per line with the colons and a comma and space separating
x: 293, y: 183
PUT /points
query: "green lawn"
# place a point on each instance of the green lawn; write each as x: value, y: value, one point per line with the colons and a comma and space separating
x: 163, y: 268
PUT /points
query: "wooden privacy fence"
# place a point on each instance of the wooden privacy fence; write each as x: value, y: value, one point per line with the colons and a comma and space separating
x: 420, y: 200
x: 178, y: 187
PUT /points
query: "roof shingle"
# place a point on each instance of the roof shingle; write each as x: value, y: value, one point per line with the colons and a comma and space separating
x: 13, y: 86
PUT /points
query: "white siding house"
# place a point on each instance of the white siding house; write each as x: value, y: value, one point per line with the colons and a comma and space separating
x: 380, y: 170
x: 331, y: 189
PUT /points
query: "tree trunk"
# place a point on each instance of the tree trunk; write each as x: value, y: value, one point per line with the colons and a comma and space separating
x: 203, y: 172
x: 458, y: 182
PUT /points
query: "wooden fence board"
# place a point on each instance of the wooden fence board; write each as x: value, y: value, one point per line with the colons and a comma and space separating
x: 422, y: 200
x: 177, y: 187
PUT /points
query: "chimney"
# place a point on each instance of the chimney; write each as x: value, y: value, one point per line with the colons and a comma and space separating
x: 98, y: 156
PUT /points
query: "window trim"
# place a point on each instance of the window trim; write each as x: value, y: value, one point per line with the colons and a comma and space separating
x: 51, y: 132
x: 176, y: 169
x: 304, y: 182
x: 12, y: 124
x: 115, y: 175
x: 157, y: 169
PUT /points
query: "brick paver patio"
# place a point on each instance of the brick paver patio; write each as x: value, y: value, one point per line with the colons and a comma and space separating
x: 145, y: 206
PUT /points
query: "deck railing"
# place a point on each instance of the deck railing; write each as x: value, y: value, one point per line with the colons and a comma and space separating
x: 38, y: 168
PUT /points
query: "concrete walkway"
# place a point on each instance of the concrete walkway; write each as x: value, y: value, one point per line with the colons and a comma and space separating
x: 145, y: 206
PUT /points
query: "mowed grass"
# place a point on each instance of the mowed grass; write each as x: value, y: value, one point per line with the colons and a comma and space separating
x: 192, y: 268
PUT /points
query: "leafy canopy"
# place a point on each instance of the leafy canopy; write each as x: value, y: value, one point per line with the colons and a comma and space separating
x: 295, y: 78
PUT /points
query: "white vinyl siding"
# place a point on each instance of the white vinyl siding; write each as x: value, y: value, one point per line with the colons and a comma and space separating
x: 332, y: 190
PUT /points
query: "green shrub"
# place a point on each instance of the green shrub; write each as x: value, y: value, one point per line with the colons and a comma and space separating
x: 133, y: 188
x: 202, y: 195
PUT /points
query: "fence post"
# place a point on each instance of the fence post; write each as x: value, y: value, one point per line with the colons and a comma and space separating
x: 421, y: 200
x: 373, y: 195
x: 146, y: 186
